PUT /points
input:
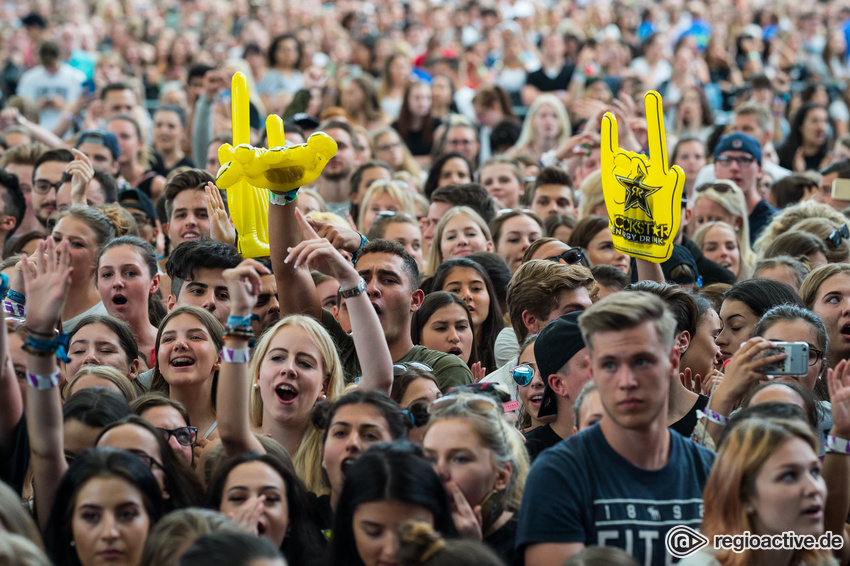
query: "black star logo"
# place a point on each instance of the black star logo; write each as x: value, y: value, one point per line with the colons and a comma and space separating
x: 637, y: 193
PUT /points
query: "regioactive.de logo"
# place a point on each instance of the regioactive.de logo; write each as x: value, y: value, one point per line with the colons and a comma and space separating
x: 683, y: 541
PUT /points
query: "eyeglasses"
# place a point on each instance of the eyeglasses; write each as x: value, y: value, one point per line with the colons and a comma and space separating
x: 741, y: 160
x: 392, y: 213
x: 815, y: 355
x: 401, y: 368
x: 149, y: 461
x: 185, y: 435
x: 460, y: 143
x: 142, y: 220
x: 572, y: 256
x: 524, y: 373
x: 834, y: 239
x: 43, y: 187
x: 418, y: 413
x: 719, y: 187
x: 388, y: 147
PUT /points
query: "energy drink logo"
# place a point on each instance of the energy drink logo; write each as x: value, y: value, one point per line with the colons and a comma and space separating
x: 642, y: 195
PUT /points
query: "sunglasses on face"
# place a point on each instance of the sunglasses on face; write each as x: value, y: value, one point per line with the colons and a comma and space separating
x: 834, y: 239
x: 185, y: 435
x: 523, y: 373
x: 573, y: 256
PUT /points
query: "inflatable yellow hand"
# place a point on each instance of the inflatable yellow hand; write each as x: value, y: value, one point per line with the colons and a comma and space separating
x: 248, y: 173
x: 643, y: 196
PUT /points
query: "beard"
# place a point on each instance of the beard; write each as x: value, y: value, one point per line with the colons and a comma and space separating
x: 337, y: 173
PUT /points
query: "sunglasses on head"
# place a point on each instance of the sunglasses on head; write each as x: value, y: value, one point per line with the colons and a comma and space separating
x: 185, y: 435
x: 834, y: 239
x: 572, y: 256
x: 718, y: 187
x: 401, y: 368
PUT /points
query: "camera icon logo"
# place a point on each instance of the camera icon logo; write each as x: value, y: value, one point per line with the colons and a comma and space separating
x: 683, y: 541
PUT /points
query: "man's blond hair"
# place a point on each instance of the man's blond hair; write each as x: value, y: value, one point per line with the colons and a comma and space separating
x: 624, y: 311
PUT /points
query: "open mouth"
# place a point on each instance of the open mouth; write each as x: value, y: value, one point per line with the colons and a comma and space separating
x: 119, y: 300
x: 190, y: 235
x: 182, y: 362
x: 536, y: 399
x: 378, y: 310
x: 815, y: 511
x: 456, y: 351
x: 261, y: 528
x: 845, y: 331
x: 345, y: 464
x: 285, y: 393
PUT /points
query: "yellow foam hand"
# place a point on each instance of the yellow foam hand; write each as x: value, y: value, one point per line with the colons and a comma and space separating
x: 247, y: 173
x: 643, y: 196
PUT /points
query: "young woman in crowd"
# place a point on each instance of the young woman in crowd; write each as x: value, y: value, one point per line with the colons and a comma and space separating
x: 826, y: 292
x: 460, y: 232
x: 718, y: 241
x: 703, y: 355
x: 449, y: 169
x: 284, y: 74
x: 490, y: 472
x: 188, y: 347
x: 442, y: 97
x: 531, y: 394
x: 100, y: 376
x: 101, y: 340
x: 360, y: 99
x: 807, y: 145
x: 169, y: 134
x: 689, y: 154
x: 545, y: 128
x: 721, y: 201
x: 444, y: 323
x: 470, y: 282
x: 383, y: 196
x: 266, y: 498
x: 134, y: 165
x: 104, y: 508
x: 800, y: 245
x: 415, y: 124
x: 399, y: 227
x: 127, y: 279
x: 503, y: 179
x: 513, y: 232
x: 171, y: 419
x: 831, y: 233
x: 387, y: 146
x: 593, y: 235
x: 386, y: 486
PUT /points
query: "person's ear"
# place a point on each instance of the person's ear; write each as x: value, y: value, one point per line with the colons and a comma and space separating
x: 503, y: 477
x: 155, y: 284
x: 489, y: 247
x: 7, y: 223
x: 683, y: 340
x: 133, y: 372
x: 170, y: 302
x: 530, y: 322
x: 417, y: 298
x: 217, y: 364
x: 556, y: 383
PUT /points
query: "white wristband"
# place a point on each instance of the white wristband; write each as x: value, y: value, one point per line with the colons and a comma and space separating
x: 837, y: 445
x: 236, y: 356
x: 43, y: 382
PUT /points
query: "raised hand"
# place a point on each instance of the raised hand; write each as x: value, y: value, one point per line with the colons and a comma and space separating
x: 47, y: 290
x: 838, y: 380
x: 247, y: 171
x: 82, y: 172
x: 243, y: 285
x: 221, y: 227
x: 318, y: 253
x: 643, y: 196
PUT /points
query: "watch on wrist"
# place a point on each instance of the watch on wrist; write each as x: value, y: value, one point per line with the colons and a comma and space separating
x: 353, y: 291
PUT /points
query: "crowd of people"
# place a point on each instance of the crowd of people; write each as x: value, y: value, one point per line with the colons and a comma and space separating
x: 443, y: 359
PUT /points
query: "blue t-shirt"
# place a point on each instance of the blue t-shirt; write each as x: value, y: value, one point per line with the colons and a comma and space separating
x: 583, y: 491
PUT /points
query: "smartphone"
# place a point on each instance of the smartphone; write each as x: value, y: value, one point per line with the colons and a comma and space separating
x: 841, y: 189
x: 796, y: 360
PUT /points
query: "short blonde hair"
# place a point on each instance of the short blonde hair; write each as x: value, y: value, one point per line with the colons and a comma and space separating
x: 394, y: 189
x: 732, y: 200
x: 591, y: 195
x: 791, y: 215
x: 121, y: 381
x: 308, y: 456
x: 746, y: 255
x: 624, y: 311
x: 526, y: 135
x: 435, y: 254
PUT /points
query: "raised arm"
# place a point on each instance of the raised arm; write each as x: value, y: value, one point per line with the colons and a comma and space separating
x: 836, y: 463
x: 11, y: 400
x: 243, y: 284
x: 372, y: 350
x: 46, y: 292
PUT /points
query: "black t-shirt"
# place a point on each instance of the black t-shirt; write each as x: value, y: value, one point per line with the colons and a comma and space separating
x: 539, y: 439
x: 545, y: 83
x: 415, y: 140
x: 15, y: 461
x: 759, y: 218
x: 160, y: 168
x: 686, y: 425
x: 502, y: 542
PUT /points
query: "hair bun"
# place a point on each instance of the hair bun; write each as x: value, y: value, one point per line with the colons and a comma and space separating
x: 418, y: 542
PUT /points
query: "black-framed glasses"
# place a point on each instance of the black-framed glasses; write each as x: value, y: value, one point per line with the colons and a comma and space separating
x: 835, y: 237
x: 523, y: 373
x: 185, y: 435
x: 149, y: 461
x: 572, y: 256
x: 741, y: 160
x: 815, y: 355
x: 401, y: 368
x: 43, y: 187
x: 418, y: 413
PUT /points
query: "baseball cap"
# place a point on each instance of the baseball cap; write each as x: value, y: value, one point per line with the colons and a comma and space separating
x: 739, y: 141
x: 137, y: 200
x: 555, y: 346
x: 102, y: 137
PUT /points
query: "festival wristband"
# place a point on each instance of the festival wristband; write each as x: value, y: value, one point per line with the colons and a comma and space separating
x: 12, y: 308
x: 15, y: 296
x: 837, y: 445
x: 43, y: 382
x: 236, y: 356
x: 239, y: 321
x: 283, y: 199
x: 713, y: 417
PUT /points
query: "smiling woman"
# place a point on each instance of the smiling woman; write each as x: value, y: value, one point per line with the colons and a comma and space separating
x: 460, y: 232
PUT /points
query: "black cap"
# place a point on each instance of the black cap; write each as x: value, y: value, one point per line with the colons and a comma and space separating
x: 681, y: 256
x: 555, y: 346
x: 137, y: 199
x: 304, y: 120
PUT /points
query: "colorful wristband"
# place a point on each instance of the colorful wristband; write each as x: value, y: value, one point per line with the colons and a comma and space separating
x: 236, y: 356
x: 43, y: 382
x: 283, y: 199
x: 837, y: 445
x: 714, y: 417
x: 12, y: 308
x: 240, y: 321
x: 13, y: 295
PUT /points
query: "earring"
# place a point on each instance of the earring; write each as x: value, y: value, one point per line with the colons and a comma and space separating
x: 324, y: 397
x: 750, y: 509
x: 73, y: 543
x: 256, y: 386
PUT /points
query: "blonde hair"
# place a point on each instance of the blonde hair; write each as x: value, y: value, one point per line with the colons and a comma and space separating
x: 822, y: 228
x: 591, y: 195
x: 176, y: 529
x: 733, y: 202
x: 17, y: 550
x: 394, y: 189
x: 526, y: 135
x: 495, y: 434
x: 323, y: 204
x: 15, y: 518
x: 791, y: 215
x: 747, y: 257
x: 330, y: 218
x: 408, y: 163
x: 308, y: 457
x: 624, y: 311
x: 121, y: 381
x: 435, y: 254
x: 811, y: 286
